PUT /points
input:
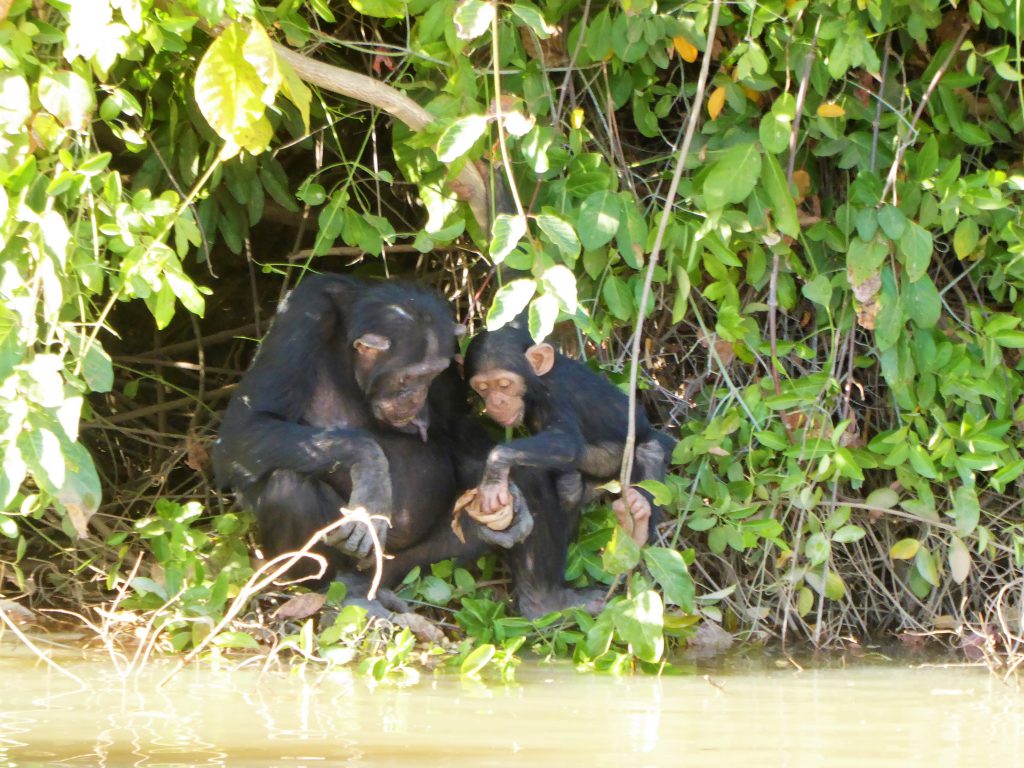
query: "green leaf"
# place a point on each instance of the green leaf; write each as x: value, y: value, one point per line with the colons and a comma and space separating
x: 229, y: 93
x: 966, y: 510
x: 835, y: 587
x: 818, y: 290
x: 783, y: 204
x: 599, y: 219
x: 922, y: 302
x: 926, y: 567
x: 639, y: 621
x: 966, y: 238
x: 621, y: 554
x: 509, y: 301
x: 235, y: 639
x: 560, y: 233
x: 530, y: 15
x: 848, y: 534
x: 882, y: 498
x: 436, y: 590
x: 543, y: 314
x: 959, y: 560
x: 560, y: 281
x: 818, y: 548
x: 669, y: 569
x: 864, y: 258
x: 478, y: 658
x: 892, y: 221
x: 68, y: 97
x: 617, y: 297
x: 508, y: 231
x: 904, y: 549
x: 733, y: 176
x: 916, y: 249
x: 381, y: 9
x: 473, y: 18
x: 774, y: 131
x: 459, y: 137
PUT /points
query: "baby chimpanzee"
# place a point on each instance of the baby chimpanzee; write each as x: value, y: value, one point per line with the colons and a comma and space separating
x: 577, y: 422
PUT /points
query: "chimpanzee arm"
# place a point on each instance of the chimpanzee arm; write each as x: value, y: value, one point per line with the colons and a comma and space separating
x: 558, y: 449
x: 265, y: 443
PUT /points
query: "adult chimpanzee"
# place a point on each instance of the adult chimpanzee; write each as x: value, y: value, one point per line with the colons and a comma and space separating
x: 352, y: 401
x: 578, y: 423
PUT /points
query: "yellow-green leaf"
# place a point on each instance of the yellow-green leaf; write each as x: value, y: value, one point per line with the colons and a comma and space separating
x: 904, y: 549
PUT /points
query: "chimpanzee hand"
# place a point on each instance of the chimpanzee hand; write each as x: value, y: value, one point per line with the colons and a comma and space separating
x: 354, y: 537
x: 518, y: 529
x: 633, y: 511
x: 493, y: 496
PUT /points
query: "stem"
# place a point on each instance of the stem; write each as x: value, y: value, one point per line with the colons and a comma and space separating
x: 684, y: 150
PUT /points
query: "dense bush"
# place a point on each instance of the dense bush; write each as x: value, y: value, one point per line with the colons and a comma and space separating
x: 833, y: 331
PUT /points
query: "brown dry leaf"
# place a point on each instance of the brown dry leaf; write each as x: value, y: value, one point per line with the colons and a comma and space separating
x: 197, y: 457
x: 830, y: 109
x: 715, y: 450
x: 469, y: 503
x: 79, y: 518
x: 716, y: 101
x: 793, y: 420
x: 687, y: 51
x: 550, y: 51
x: 301, y: 606
x: 802, y: 181
x: 866, y: 295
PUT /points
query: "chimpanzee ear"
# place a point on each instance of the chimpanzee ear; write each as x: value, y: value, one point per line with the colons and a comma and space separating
x: 372, y: 344
x: 541, y: 358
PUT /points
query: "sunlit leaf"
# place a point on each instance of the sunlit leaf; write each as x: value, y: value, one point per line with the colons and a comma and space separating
x: 959, y: 560
x: 966, y: 510
x: 669, y: 569
x: 733, y: 176
x: 534, y: 19
x: 829, y: 109
x: 639, y: 622
x: 560, y: 233
x: 687, y: 51
x: 599, y: 219
x: 509, y: 301
x: 473, y: 18
x: 508, y: 231
x: 478, y: 658
x: 459, y: 137
x: 904, y: 549
x: 715, y: 102
x: 621, y: 554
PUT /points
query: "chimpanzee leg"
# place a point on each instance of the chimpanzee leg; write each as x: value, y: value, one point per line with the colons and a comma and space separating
x: 290, y: 508
x: 538, y: 563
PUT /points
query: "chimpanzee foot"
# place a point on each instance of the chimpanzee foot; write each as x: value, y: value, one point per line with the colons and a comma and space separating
x: 390, y: 607
x: 518, y: 529
x: 535, y: 604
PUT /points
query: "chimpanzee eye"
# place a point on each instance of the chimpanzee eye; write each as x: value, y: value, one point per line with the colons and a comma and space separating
x: 481, y: 387
x: 504, y: 383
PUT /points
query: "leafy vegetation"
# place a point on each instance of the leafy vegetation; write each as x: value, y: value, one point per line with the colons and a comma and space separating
x: 833, y: 326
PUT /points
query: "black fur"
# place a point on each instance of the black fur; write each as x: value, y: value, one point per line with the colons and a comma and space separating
x: 578, y: 422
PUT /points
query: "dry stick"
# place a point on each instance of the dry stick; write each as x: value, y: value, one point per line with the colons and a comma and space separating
x: 470, y: 184
x: 684, y: 150
x: 258, y: 581
x: 890, y: 180
x: 35, y: 648
x: 877, y: 127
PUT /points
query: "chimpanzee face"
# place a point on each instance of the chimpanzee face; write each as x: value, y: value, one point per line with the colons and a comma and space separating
x: 504, y: 391
x: 504, y: 395
x: 395, y: 375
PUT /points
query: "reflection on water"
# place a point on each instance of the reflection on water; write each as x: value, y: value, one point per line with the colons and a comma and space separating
x: 866, y: 716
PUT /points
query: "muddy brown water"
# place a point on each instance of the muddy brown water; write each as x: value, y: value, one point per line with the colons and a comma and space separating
x: 740, y: 714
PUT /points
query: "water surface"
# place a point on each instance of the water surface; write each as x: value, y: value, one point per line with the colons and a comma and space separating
x: 874, y: 715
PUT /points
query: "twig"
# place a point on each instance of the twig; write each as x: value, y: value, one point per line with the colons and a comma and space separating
x: 890, y: 180
x: 277, y: 567
x: 801, y: 97
x: 877, y: 126
x: 36, y: 649
x: 684, y: 150
x: 470, y: 184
